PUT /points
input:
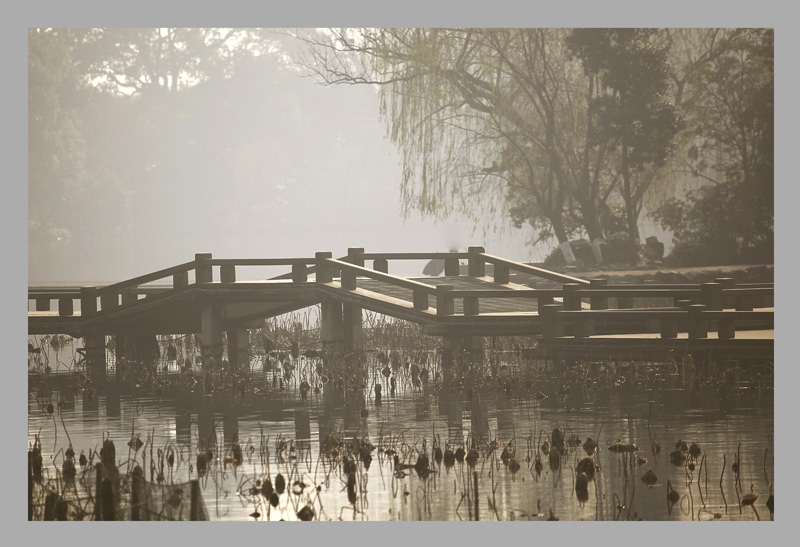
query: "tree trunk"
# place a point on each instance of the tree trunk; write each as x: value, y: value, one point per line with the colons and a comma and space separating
x: 630, y: 208
x: 563, y: 241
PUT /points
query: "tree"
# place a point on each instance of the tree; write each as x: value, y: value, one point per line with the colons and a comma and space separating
x: 481, y: 116
x: 728, y: 98
x: 630, y: 109
x: 56, y: 147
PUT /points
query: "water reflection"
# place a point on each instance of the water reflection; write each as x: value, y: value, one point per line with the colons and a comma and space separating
x: 490, y: 439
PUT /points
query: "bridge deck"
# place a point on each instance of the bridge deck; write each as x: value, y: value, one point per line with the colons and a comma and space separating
x: 171, y: 302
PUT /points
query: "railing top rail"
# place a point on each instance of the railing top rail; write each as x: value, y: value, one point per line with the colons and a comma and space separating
x: 624, y: 314
x: 260, y: 261
x: 147, y: 278
x: 310, y: 270
x: 53, y: 295
x: 532, y: 270
x: 755, y: 291
x: 412, y: 256
x: 626, y: 286
x: 641, y: 292
x: 739, y: 314
x: 380, y: 276
x: 663, y: 312
x: 508, y: 293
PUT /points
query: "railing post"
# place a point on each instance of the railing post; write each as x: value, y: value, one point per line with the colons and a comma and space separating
x: 348, y: 280
x: 572, y: 302
x: 451, y: 267
x: 598, y: 302
x: 744, y: 302
x: 698, y: 326
x: 324, y: 273
x: 88, y: 302
x: 444, y: 302
x: 42, y: 303
x: 477, y: 266
x: 65, y: 307
x: 552, y: 323
x: 299, y: 273
x: 683, y: 323
x: 669, y: 327
x: 109, y: 301
x: 380, y: 265
x: 541, y: 301
x: 420, y: 300
x: 726, y: 328
x: 202, y: 268
x: 711, y: 295
x: 354, y: 256
x: 227, y: 273
x: 471, y: 306
x: 130, y: 295
x: 728, y: 302
x: 501, y: 274
x: 180, y: 279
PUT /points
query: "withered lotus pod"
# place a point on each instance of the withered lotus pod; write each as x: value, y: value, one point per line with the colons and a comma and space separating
x: 587, y: 467
x: 306, y: 513
x: 280, y: 484
x: 472, y: 457
x: 749, y: 499
x: 677, y: 457
x: 449, y: 458
x: 649, y: 478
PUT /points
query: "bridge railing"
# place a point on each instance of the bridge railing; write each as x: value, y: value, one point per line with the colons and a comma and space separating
x: 125, y: 293
x: 326, y: 265
x: 697, y: 318
x: 380, y: 261
x: 503, y: 267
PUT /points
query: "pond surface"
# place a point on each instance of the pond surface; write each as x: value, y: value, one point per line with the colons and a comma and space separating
x: 305, y: 432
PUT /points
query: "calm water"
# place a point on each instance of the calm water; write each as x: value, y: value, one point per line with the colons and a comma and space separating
x: 279, y: 431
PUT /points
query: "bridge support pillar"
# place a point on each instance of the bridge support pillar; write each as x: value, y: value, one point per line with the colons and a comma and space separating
x: 459, y: 353
x: 95, y: 346
x: 351, y: 327
x: 332, y: 326
x: 137, y: 346
x: 238, y: 349
x: 211, y: 333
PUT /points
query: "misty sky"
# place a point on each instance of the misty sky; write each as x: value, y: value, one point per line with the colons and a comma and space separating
x: 309, y: 170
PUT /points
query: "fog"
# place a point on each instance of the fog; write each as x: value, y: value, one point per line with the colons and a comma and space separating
x: 269, y: 164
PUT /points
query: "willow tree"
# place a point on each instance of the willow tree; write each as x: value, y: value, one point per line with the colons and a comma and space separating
x: 476, y: 114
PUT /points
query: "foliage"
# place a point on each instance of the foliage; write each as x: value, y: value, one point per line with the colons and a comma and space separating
x: 712, y: 226
x: 632, y: 113
x: 731, y: 119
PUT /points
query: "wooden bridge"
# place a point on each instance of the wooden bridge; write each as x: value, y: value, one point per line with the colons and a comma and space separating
x: 574, y: 318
